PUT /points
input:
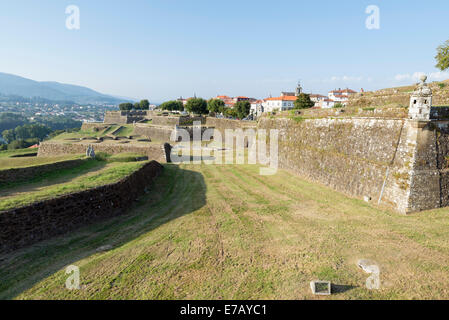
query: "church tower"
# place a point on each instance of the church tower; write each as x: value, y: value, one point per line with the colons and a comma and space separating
x: 421, y: 102
x: 298, y: 89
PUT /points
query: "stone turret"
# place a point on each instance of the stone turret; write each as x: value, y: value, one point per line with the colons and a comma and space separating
x: 421, y: 102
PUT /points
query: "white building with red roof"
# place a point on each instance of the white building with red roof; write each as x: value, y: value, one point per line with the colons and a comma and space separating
x: 341, y: 96
x: 257, y: 107
x: 281, y: 103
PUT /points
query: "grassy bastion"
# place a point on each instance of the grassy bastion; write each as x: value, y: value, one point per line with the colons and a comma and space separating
x: 27, y: 218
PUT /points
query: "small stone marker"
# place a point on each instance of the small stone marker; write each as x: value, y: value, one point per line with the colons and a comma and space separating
x: 367, y: 265
x: 321, y: 288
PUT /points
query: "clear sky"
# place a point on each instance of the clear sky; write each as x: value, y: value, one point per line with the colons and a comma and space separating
x: 163, y: 49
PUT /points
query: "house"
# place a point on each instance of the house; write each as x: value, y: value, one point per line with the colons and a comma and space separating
x: 325, y: 103
x: 231, y: 101
x: 341, y: 96
x: 317, y: 98
x: 257, y: 108
x: 279, y: 103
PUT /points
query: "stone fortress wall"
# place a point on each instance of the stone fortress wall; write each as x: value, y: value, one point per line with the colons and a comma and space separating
x: 53, y: 148
x: 399, y: 163
x: 125, y: 117
x: 24, y: 226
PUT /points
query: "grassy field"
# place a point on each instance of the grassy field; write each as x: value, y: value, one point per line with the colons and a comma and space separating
x: 224, y: 232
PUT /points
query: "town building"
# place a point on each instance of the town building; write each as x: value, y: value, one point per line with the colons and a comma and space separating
x: 257, y: 108
x: 341, y: 96
x: 317, y: 98
x: 325, y: 103
x: 281, y: 103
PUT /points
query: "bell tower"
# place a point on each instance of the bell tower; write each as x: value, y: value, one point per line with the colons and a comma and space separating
x: 421, y: 102
x: 298, y: 89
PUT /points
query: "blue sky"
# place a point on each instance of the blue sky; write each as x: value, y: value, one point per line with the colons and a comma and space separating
x: 169, y: 48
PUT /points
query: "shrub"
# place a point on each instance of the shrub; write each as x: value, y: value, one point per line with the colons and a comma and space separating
x: 338, y: 106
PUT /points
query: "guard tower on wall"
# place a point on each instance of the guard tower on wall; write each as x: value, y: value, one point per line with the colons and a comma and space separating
x: 421, y: 102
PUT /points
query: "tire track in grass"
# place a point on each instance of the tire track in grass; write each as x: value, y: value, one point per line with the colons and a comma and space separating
x: 255, y: 234
x: 224, y: 211
x: 172, y: 204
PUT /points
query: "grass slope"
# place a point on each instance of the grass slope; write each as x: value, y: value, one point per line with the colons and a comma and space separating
x: 9, y: 163
x: 108, y: 173
x: 225, y: 232
x: 16, y: 152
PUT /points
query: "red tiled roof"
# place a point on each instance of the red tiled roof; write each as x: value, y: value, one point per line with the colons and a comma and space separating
x: 284, y: 98
x: 344, y: 91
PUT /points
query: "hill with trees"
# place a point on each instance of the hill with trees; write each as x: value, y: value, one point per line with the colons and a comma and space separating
x: 12, y: 85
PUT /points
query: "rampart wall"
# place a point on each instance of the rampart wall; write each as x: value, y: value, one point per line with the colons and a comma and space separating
x: 53, y: 148
x: 395, y: 162
x: 124, y: 117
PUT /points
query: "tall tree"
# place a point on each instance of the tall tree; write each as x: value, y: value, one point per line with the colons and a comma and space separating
x: 136, y: 106
x: 126, y: 106
x: 197, y: 105
x: 303, y: 102
x: 215, y: 105
x: 242, y: 109
x: 172, y: 105
x: 442, y: 56
x: 9, y: 135
x: 144, y: 104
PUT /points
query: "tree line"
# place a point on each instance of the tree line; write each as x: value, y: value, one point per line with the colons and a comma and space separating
x: 19, y: 132
x: 128, y: 106
x: 201, y: 106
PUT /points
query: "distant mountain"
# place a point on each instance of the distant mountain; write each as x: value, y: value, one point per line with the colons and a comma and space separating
x: 11, y: 85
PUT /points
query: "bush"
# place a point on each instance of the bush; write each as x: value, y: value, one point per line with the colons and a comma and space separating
x: 441, y: 85
x: 338, y: 105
